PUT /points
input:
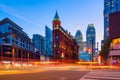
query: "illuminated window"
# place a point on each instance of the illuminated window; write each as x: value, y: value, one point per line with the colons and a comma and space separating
x: 57, y: 26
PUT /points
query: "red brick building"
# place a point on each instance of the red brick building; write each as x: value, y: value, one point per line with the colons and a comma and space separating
x: 64, y: 46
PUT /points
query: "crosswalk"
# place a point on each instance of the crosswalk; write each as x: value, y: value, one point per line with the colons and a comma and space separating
x: 102, y: 75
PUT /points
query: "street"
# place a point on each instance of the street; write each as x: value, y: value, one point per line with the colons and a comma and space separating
x: 46, y: 75
x: 60, y: 75
x: 60, y: 72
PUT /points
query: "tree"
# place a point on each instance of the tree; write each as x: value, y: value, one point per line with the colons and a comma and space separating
x: 105, y: 49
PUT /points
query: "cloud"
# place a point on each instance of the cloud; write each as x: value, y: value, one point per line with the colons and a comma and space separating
x: 10, y: 11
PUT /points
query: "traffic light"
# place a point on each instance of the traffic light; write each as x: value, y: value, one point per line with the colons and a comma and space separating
x: 89, y: 50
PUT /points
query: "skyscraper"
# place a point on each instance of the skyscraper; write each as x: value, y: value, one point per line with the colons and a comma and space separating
x: 38, y: 42
x: 79, y: 39
x: 48, y: 41
x: 91, y: 37
x: 110, y: 6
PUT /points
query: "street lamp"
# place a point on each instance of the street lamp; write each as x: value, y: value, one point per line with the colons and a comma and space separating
x: 62, y: 55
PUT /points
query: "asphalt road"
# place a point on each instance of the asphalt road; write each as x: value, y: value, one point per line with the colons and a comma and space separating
x: 47, y: 75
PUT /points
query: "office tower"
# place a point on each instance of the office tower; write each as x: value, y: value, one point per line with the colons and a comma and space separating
x: 79, y: 39
x: 48, y: 42
x: 38, y: 42
x: 110, y: 6
x: 91, y: 38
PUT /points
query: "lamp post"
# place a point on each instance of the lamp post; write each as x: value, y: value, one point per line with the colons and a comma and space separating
x: 91, y: 56
x: 62, y: 55
x: 13, y: 55
x: 92, y: 51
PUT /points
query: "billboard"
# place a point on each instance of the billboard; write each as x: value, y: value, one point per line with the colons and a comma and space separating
x: 114, y: 25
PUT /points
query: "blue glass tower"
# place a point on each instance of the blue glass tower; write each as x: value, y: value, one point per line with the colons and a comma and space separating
x: 38, y: 42
x: 110, y: 6
x: 79, y: 39
x: 48, y: 41
x: 91, y: 37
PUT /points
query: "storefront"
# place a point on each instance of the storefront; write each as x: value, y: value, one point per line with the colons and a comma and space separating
x: 114, y: 53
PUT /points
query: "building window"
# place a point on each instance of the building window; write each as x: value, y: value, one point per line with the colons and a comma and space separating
x: 12, y: 40
x: 23, y: 41
x: 20, y: 44
x: 0, y: 51
x: 16, y: 42
x: 23, y: 45
x: 57, y: 37
x: 7, y: 51
x: 57, y: 44
x: 57, y: 26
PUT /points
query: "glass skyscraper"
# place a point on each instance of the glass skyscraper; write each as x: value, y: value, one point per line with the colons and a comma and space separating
x: 48, y: 41
x: 90, y: 37
x: 110, y: 6
x: 38, y: 42
x: 79, y: 39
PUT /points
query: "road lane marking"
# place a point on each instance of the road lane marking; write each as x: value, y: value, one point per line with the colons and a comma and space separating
x: 96, y: 75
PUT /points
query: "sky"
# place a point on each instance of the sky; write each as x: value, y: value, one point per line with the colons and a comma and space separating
x: 33, y: 15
